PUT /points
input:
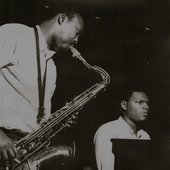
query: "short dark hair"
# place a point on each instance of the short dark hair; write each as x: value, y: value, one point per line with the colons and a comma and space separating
x: 127, y: 91
x: 50, y: 10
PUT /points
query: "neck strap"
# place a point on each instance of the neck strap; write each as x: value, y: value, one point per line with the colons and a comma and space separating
x: 41, y: 85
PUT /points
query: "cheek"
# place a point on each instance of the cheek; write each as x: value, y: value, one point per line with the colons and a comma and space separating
x: 133, y: 111
x: 68, y: 34
x: 66, y: 38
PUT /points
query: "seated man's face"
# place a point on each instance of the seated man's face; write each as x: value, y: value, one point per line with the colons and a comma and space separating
x: 137, y: 107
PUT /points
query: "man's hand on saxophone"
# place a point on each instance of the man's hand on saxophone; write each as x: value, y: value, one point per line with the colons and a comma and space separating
x: 73, y: 120
x: 8, y: 151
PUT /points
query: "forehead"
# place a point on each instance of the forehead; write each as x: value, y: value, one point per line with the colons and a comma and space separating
x: 78, y: 21
x: 139, y: 96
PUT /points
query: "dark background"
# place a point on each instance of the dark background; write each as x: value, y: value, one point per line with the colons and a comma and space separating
x: 128, y: 38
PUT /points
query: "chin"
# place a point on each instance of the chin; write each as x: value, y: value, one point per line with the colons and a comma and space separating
x: 58, y: 47
x: 64, y: 47
x: 143, y: 119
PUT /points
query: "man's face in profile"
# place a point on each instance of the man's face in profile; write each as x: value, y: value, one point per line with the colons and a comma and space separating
x: 138, y: 107
x: 68, y: 31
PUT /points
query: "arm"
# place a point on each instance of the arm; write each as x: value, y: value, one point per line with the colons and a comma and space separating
x: 8, y: 46
x: 103, y: 150
x: 7, y: 51
x: 7, y: 150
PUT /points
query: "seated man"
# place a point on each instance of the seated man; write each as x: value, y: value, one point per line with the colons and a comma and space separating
x: 127, y: 126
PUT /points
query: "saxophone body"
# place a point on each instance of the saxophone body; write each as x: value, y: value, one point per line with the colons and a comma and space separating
x: 39, y: 139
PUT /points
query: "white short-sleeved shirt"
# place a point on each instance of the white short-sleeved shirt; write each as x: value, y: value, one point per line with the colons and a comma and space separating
x: 19, y: 99
x: 117, y: 129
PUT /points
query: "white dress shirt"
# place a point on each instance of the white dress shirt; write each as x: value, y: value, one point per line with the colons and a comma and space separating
x: 117, y: 129
x: 19, y: 99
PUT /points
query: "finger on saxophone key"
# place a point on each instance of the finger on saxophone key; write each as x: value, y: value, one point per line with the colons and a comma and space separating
x: 17, y: 161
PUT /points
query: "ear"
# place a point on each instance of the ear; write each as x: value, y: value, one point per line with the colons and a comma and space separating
x: 61, y: 18
x: 123, y: 105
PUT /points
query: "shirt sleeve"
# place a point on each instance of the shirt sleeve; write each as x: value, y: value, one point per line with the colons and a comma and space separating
x: 105, y: 159
x: 7, y: 47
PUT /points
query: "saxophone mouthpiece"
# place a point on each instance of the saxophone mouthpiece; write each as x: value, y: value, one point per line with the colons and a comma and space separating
x: 76, y: 53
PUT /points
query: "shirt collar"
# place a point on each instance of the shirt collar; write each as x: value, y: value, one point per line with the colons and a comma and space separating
x: 43, y: 44
x: 124, y: 124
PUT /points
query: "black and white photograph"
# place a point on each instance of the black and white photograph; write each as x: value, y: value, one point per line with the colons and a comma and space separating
x: 84, y: 84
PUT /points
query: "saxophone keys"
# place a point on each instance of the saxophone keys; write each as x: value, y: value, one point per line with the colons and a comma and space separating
x: 23, y: 152
x: 31, y: 146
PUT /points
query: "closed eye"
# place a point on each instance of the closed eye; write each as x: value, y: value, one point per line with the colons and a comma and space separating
x: 78, y: 31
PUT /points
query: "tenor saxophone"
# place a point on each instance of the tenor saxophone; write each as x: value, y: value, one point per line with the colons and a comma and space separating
x: 40, y: 138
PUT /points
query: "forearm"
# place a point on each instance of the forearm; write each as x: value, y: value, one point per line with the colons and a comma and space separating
x: 105, y: 162
x: 8, y: 151
x: 2, y: 134
x: 105, y: 159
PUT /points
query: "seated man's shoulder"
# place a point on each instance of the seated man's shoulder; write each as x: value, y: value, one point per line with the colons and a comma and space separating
x: 145, y: 135
x: 108, y: 127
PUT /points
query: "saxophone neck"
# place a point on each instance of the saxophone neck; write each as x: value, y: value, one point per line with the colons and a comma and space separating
x: 105, y: 76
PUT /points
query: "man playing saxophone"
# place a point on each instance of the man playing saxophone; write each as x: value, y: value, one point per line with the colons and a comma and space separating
x: 28, y: 75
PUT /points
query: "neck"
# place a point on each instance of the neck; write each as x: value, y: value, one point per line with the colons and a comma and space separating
x: 131, y: 123
x: 45, y: 28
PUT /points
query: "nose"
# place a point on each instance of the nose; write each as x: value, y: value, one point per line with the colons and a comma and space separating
x: 146, y: 106
x: 75, y: 41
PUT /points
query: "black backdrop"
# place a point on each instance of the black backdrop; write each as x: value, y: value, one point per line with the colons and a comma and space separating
x: 128, y: 38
